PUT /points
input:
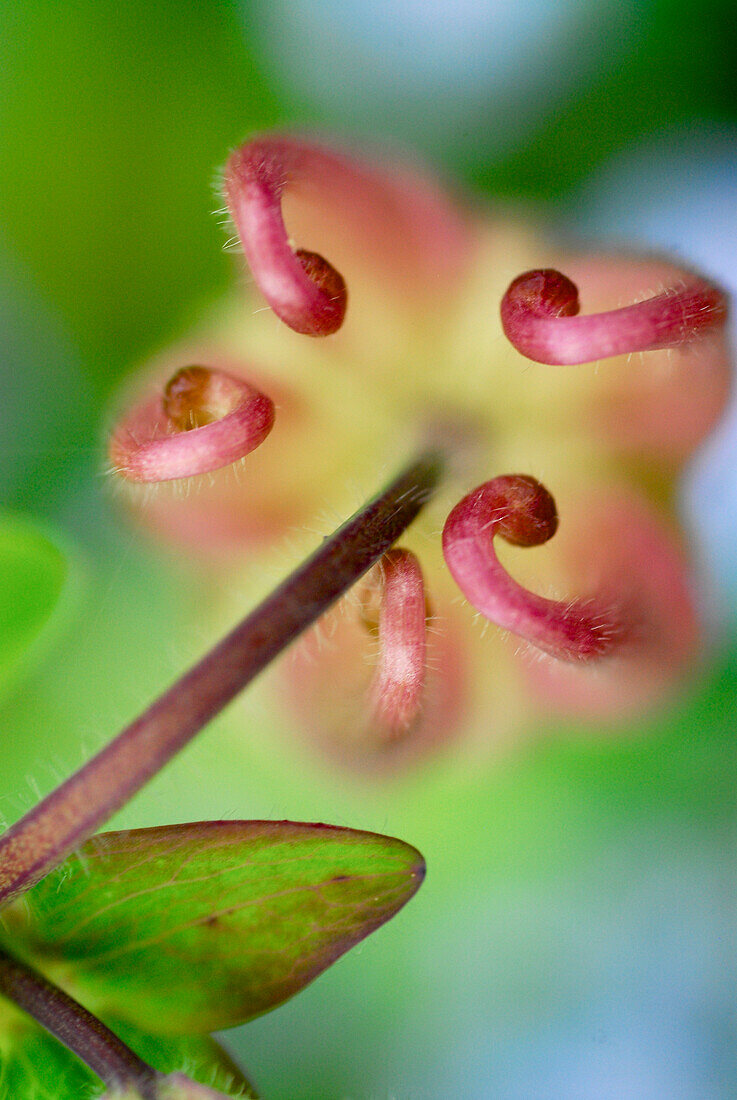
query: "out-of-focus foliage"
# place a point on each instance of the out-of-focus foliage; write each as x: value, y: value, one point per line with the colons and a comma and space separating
x: 34, y: 573
x: 114, y: 120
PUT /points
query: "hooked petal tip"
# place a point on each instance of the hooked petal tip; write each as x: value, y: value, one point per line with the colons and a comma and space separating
x: 205, y: 419
x: 302, y: 287
x: 518, y: 505
x: 539, y: 313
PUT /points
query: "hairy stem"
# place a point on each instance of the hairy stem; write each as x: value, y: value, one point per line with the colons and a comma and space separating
x: 66, y: 1019
x: 70, y: 814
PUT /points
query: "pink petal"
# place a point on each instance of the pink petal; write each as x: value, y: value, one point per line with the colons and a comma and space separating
x: 540, y: 316
x: 619, y: 543
x: 661, y: 403
x: 230, y: 508
x: 585, y: 627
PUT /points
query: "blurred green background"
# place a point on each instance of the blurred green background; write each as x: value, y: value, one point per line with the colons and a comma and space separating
x: 575, y: 938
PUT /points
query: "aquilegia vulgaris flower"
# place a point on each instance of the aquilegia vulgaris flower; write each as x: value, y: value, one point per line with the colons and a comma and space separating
x: 568, y: 412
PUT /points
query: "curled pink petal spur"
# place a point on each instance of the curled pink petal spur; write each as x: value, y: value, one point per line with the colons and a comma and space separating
x: 302, y: 288
x: 539, y: 316
x: 377, y: 684
x: 390, y: 218
x: 522, y: 511
x: 204, y: 419
x: 397, y: 686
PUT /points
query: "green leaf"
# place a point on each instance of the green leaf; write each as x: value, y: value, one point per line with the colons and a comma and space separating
x: 193, y: 928
x: 36, y: 1066
x: 34, y: 571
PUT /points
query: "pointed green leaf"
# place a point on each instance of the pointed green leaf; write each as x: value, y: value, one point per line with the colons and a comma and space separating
x: 193, y: 928
x: 34, y: 571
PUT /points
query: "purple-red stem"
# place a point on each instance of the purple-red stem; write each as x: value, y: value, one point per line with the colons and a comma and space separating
x: 80, y: 1031
x: 70, y: 814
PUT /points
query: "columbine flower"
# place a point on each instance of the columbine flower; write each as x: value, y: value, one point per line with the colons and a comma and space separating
x: 602, y: 619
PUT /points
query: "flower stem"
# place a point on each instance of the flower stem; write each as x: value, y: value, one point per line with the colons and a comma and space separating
x: 66, y: 1019
x: 71, y: 813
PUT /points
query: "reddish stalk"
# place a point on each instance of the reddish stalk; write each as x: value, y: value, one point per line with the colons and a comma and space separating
x: 523, y: 512
x: 539, y: 316
x: 64, y: 1018
x: 71, y: 813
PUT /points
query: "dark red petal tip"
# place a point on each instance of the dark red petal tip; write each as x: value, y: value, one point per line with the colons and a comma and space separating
x: 193, y: 398
x: 528, y: 515
x: 546, y: 293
